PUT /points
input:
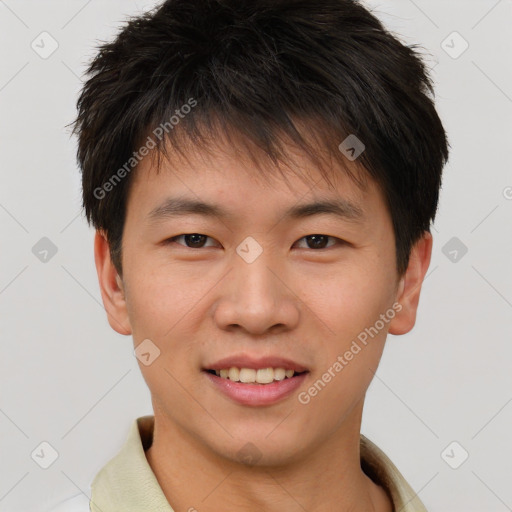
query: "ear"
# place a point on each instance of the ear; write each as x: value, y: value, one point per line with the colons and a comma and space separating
x: 111, y: 286
x: 409, y: 287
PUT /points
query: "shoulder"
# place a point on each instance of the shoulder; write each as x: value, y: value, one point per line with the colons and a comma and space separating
x: 78, y: 503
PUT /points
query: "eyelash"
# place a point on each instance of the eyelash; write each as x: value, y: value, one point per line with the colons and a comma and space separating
x: 338, y: 241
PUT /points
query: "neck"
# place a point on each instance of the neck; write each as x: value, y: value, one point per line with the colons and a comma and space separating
x: 329, y: 477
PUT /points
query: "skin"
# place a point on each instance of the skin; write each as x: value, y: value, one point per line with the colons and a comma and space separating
x: 201, y: 304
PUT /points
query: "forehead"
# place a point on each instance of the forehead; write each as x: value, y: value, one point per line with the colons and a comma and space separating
x: 238, y: 159
x: 225, y: 182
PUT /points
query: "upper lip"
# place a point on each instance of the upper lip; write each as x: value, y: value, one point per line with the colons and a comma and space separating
x: 247, y: 361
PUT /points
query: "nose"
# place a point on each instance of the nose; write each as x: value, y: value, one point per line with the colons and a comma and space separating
x: 256, y: 297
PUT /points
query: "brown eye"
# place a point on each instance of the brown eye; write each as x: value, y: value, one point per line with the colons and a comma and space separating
x: 192, y: 240
x: 318, y: 241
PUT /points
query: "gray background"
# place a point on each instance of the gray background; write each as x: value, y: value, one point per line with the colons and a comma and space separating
x: 69, y: 380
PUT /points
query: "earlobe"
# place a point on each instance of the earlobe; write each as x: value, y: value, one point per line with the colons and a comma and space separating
x: 409, y: 288
x: 111, y: 286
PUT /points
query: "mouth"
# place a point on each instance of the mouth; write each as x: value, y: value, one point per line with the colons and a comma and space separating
x: 251, y: 381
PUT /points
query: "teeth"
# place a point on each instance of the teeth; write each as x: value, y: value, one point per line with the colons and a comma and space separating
x: 265, y: 375
x: 233, y: 374
x: 279, y: 374
x: 249, y: 375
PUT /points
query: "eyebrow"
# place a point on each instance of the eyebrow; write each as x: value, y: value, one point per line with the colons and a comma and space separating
x: 182, y: 206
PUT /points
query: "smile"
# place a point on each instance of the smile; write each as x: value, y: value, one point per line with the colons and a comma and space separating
x: 247, y: 391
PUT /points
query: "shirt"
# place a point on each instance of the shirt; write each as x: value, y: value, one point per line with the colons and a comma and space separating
x: 127, y: 482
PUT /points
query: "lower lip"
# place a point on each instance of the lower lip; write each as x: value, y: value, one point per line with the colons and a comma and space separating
x: 257, y: 394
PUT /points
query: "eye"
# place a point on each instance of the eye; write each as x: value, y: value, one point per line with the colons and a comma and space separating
x: 320, y: 241
x: 192, y: 240
x: 198, y: 241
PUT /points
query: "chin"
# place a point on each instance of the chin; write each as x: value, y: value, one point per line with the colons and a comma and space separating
x: 258, y: 450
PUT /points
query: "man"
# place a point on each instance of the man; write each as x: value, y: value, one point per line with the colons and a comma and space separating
x: 262, y: 176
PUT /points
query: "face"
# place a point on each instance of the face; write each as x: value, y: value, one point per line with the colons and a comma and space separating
x: 257, y: 280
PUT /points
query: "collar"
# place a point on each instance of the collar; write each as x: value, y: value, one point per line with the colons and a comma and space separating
x: 128, y: 483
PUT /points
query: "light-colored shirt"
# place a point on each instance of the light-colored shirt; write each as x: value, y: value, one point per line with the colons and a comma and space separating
x: 127, y: 483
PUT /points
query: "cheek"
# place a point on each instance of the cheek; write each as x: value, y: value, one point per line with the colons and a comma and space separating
x: 163, y: 298
x: 347, y: 300
x: 360, y: 331
x: 164, y: 306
